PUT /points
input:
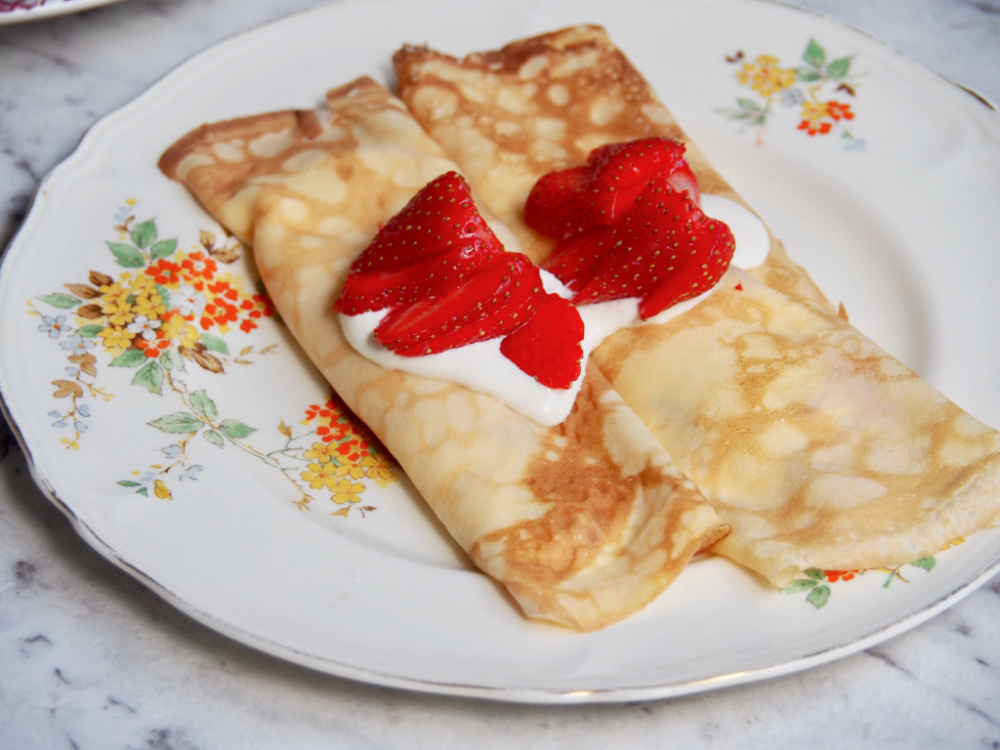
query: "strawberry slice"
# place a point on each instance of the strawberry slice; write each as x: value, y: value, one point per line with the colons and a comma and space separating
x: 437, y: 237
x: 491, y: 301
x: 575, y: 259
x: 548, y: 347
x: 620, y: 171
x: 696, y: 252
x: 579, y: 199
x: 448, y: 282
x: 683, y: 179
x: 663, y: 251
x: 553, y: 206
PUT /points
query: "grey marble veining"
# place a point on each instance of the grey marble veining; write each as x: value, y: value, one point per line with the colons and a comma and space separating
x: 90, y: 658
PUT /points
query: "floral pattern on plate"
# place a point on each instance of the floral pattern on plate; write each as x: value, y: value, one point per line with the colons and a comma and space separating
x: 819, y: 89
x: 815, y: 582
x: 167, y: 310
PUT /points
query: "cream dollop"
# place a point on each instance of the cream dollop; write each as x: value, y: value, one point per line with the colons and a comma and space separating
x: 482, y: 367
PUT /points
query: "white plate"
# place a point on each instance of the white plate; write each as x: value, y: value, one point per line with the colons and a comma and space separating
x: 898, y: 225
x: 36, y: 10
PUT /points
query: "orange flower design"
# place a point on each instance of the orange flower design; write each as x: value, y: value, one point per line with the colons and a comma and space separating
x: 839, y: 575
x: 164, y: 272
x: 839, y: 110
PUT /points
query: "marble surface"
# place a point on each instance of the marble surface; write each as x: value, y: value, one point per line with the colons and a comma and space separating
x: 89, y: 658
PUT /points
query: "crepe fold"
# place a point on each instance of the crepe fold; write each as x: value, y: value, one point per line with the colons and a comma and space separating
x: 583, y: 523
x: 816, y: 446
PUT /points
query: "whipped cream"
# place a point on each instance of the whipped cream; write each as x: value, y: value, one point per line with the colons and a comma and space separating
x: 482, y: 367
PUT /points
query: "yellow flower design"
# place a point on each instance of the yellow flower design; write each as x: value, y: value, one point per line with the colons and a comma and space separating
x: 113, y: 292
x: 115, y: 339
x: 352, y: 470
x: 319, y: 452
x: 147, y: 298
x: 347, y: 491
x: 765, y: 76
x: 178, y: 330
x: 320, y: 475
x: 118, y: 310
x: 377, y: 470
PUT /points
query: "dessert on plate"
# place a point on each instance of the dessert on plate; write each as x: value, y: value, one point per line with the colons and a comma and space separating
x: 585, y: 521
x: 817, y: 447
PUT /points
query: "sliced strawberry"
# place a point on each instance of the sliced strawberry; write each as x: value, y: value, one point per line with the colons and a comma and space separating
x: 448, y: 282
x: 378, y: 288
x: 438, y: 236
x: 548, y: 346
x: 683, y: 178
x: 665, y: 250
x: 553, y: 206
x: 492, y: 301
x: 575, y: 259
x: 620, y: 171
x: 695, y: 250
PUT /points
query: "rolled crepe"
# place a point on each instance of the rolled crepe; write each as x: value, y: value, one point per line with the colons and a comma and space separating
x: 584, y: 523
x: 816, y: 446
x: 509, y: 116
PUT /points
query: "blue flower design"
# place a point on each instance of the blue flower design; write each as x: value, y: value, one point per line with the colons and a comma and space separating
x: 52, y: 325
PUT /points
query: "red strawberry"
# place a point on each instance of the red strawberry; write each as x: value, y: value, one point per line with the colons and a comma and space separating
x: 709, y: 245
x: 620, y: 171
x: 449, y: 282
x: 663, y: 251
x: 553, y: 206
x: 575, y: 259
x: 683, y: 179
x: 437, y: 237
x: 492, y: 301
x: 547, y: 347
x: 579, y: 199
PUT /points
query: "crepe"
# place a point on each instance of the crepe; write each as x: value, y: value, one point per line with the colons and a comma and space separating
x: 816, y: 446
x: 509, y: 116
x: 583, y: 523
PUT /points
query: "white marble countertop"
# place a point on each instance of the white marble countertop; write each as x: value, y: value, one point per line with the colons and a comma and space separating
x: 89, y: 658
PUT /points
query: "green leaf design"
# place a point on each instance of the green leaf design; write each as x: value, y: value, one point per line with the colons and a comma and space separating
x: 129, y: 483
x: 214, y: 343
x: 90, y: 331
x: 129, y: 358
x: 60, y: 300
x: 808, y: 75
x: 235, y: 429
x: 178, y: 423
x: 126, y: 255
x: 838, y: 68
x: 927, y: 563
x: 215, y: 438
x: 815, y: 573
x: 162, y: 249
x: 203, y: 405
x: 750, y: 105
x: 819, y: 596
x: 814, y: 55
x: 798, y: 586
x: 142, y: 491
x: 144, y: 233
x: 171, y: 360
x: 150, y: 377
x: 733, y: 113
